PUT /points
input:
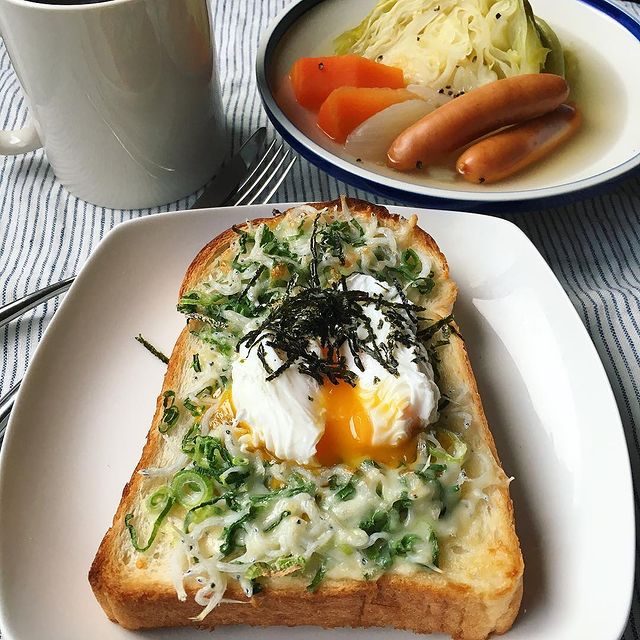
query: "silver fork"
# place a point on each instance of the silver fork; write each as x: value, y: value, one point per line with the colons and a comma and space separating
x: 259, y: 186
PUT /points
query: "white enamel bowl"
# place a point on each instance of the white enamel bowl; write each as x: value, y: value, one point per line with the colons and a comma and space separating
x: 606, y: 148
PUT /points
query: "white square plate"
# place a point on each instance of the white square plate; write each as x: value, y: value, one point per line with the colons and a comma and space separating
x: 87, y: 401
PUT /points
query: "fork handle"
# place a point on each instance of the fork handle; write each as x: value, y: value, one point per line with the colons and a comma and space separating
x: 16, y: 308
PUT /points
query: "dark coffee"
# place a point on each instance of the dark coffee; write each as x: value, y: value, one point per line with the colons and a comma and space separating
x: 78, y: 2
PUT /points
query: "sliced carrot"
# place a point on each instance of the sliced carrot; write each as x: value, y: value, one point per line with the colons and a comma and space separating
x: 347, y: 107
x: 313, y: 79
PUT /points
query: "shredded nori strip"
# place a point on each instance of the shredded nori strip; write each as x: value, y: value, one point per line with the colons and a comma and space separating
x: 332, y: 317
x: 428, y: 332
x: 149, y: 347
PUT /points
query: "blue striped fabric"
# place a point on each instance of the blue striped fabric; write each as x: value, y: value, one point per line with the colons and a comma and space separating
x: 592, y: 246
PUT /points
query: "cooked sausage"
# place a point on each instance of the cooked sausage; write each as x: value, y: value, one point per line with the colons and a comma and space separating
x: 508, y: 151
x: 474, y: 114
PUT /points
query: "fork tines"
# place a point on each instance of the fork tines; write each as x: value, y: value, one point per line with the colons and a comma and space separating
x: 266, y: 176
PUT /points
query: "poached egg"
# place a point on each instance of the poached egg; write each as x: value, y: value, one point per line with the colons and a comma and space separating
x: 295, y: 418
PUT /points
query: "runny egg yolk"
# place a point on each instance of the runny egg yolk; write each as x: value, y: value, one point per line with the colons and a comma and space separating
x: 348, y: 431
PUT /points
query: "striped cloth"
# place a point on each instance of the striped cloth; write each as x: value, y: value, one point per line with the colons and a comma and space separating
x: 46, y: 234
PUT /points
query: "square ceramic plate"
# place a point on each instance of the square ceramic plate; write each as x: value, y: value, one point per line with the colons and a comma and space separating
x: 87, y: 401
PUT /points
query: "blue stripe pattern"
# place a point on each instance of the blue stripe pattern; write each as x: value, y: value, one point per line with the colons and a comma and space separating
x: 593, y: 246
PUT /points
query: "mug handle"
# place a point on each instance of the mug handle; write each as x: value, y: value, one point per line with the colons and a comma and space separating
x: 17, y: 141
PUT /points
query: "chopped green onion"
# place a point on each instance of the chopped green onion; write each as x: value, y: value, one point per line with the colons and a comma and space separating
x: 411, y: 262
x: 196, y: 363
x: 283, y: 566
x: 346, y: 491
x: 202, y: 512
x: 188, y: 302
x: 285, y: 492
x: 154, y: 530
x: 399, y: 511
x: 318, y: 577
x: 405, y: 544
x: 451, y: 448
x: 230, y: 533
x: 435, y: 547
x: 358, y: 226
x: 169, y: 418
x: 194, y: 409
x: 275, y: 523
x: 190, y: 488
x: 424, y: 285
x: 242, y: 240
x: 376, y: 522
x: 158, y: 500
x: 274, y: 247
x: 380, y: 553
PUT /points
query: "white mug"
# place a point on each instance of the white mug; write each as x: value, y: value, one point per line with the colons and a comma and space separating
x: 122, y: 94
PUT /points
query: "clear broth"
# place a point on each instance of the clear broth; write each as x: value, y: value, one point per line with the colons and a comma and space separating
x: 596, y: 90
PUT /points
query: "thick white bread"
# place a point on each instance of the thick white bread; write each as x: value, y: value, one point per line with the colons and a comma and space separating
x: 478, y: 592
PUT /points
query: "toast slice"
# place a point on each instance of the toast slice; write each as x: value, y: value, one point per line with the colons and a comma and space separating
x: 469, y: 583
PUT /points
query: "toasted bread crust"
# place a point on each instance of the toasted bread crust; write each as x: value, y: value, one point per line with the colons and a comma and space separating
x: 403, y: 602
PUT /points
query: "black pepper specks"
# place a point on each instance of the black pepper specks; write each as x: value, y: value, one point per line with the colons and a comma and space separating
x: 440, y: 90
x: 498, y: 16
x: 321, y: 66
x: 358, y: 159
x: 419, y: 164
x: 481, y: 180
x: 379, y: 58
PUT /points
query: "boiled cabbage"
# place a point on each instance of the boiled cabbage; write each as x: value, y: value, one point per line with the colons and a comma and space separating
x: 452, y: 45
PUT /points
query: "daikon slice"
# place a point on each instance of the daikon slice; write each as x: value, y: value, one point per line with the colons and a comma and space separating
x: 371, y: 139
x: 434, y: 98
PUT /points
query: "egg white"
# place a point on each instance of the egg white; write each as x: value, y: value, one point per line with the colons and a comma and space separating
x: 287, y: 415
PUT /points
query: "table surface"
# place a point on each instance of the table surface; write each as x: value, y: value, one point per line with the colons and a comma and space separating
x: 593, y: 246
